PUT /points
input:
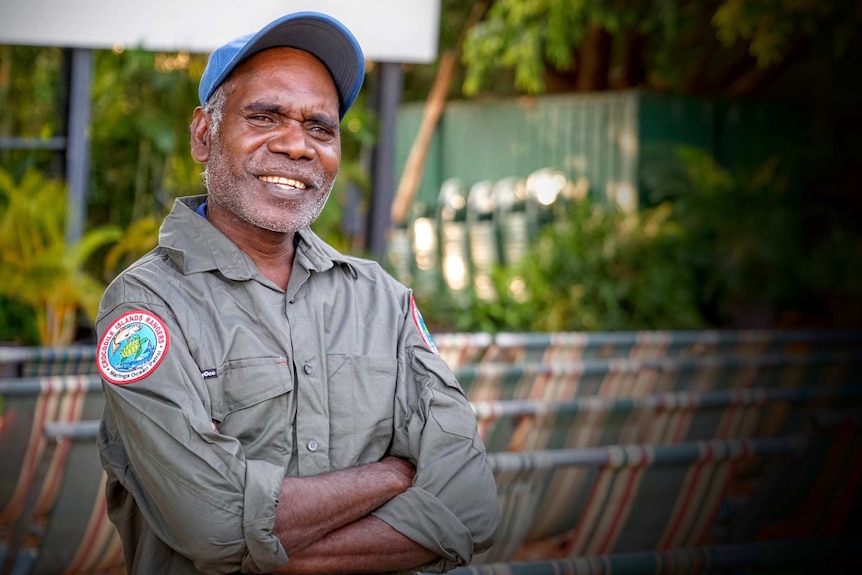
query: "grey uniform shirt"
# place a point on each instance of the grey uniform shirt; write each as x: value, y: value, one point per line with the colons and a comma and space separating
x: 219, y: 384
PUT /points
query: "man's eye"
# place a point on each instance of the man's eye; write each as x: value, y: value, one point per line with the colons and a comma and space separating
x: 321, y: 131
x: 259, y: 118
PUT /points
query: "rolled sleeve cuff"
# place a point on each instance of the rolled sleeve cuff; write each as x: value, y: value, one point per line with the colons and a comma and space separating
x: 264, y: 552
x: 446, y: 535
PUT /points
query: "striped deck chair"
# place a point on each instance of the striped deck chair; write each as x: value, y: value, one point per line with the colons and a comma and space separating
x: 459, y: 349
x: 530, y: 425
x: 552, y: 382
x: 816, y: 496
x: 840, y: 554
x: 28, y: 405
x: 571, y: 346
x: 75, y: 537
x: 42, y: 361
x: 619, y: 498
x: 642, y: 377
x: 717, y: 372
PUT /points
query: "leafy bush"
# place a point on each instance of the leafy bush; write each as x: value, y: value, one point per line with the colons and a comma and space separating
x: 716, y: 247
x: 40, y: 269
x: 594, y: 269
x: 17, y: 323
x: 744, y: 233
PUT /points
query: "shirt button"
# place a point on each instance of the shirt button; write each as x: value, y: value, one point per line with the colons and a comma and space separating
x: 307, y: 369
x: 312, y: 445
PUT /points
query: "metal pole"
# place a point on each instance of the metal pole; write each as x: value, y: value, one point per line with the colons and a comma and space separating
x: 78, y: 150
x: 383, y: 177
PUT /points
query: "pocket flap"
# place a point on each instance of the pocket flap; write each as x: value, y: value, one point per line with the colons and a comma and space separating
x: 246, y: 382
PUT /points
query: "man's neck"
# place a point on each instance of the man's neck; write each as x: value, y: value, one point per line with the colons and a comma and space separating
x: 272, y: 252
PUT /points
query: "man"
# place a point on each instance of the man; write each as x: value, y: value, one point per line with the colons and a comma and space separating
x: 272, y: 405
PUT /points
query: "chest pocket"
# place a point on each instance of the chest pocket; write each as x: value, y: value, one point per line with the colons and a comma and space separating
x: 361, y: 402
x: 252, y: 401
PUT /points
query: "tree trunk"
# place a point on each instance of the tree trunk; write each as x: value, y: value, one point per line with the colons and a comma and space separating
x: 436, y: 103
x: 415, y: 165
x: 634, y: 70
x: 594, y: 60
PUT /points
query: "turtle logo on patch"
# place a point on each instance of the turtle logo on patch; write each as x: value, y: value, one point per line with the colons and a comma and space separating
x: 132, y: 347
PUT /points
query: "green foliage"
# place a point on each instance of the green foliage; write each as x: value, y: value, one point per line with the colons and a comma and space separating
x: 35, y: 72
x: 683, y: 39
x: 17, y: 323
x: 138, y: 239
x: 770, y: 26
x: 744, y: 230
x: 603, y: 269
x: 142, y: 106
x: 30, y: 88
x: 532, y: 37
x: 832, y: 276
x: 522, y: 36
x: 39, y: 268
x: 717, y: 247
x: 594, y: 268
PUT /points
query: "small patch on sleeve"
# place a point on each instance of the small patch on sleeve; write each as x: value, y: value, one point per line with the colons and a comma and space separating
x: 132, y: 347
x: 420, y: 325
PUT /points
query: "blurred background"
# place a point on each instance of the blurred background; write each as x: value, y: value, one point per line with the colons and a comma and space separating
x: 631, y: 226
x: 659, y: 164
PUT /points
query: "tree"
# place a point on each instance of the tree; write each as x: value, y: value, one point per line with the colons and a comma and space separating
x: 715, y: 46
x: 39, y: 269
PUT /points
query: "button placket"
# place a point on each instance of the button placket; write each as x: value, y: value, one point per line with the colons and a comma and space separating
x: 312, y: 415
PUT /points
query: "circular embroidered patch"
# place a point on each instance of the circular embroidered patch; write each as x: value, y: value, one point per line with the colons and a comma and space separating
x: 132, y: 347
x: 420, y: 325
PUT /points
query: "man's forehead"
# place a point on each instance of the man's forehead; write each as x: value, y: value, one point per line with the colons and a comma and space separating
x: 268, y: 64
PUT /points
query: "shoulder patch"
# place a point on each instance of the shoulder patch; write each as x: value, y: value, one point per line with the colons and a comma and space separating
x: 420, y: 325
x: 132, y: 347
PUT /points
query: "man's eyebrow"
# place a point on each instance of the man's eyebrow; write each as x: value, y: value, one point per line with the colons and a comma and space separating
x: 316, y: 117
x: 262, y: 107
x: 325, y: 120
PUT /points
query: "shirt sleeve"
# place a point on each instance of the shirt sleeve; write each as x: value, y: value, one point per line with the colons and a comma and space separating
x: 452, y: 506
x: 194, y: 486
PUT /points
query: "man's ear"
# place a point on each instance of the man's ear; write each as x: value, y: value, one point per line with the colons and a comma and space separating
x: 200, y: 132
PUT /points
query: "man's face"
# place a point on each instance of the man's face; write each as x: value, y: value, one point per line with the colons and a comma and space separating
x: 275, y: 156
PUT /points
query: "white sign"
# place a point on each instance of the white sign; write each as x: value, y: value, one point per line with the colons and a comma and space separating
x: 387, y: 30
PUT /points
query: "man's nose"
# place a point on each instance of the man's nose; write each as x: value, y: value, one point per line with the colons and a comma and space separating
x: 292, y: 140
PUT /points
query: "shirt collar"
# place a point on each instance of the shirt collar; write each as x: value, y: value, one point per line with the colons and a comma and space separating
x: 195, y: 245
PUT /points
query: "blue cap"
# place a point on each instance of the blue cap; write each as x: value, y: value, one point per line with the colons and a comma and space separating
x: 318, y: 34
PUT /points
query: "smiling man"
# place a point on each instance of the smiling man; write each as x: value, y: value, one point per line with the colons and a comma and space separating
x: 274, y: 406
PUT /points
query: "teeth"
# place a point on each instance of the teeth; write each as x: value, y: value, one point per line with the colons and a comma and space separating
x: 283, y: 182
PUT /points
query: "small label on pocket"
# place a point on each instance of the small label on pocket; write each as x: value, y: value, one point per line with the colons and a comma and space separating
x: 209, y: 373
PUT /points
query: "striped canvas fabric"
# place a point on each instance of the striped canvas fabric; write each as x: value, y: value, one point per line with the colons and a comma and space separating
x: 574, y: 346
x: 28, y: 405
x: 459, y: 349
x: 610, y: 499
x: 44, y: 361
x: 818, y: 495
x: 639, y: 378
x: 840, y: 554
x: 674, y: 417
x: 78, y: 539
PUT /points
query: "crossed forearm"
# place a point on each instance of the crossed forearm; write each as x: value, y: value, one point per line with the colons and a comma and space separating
x: 324, y: 526
x: 368, y: 545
